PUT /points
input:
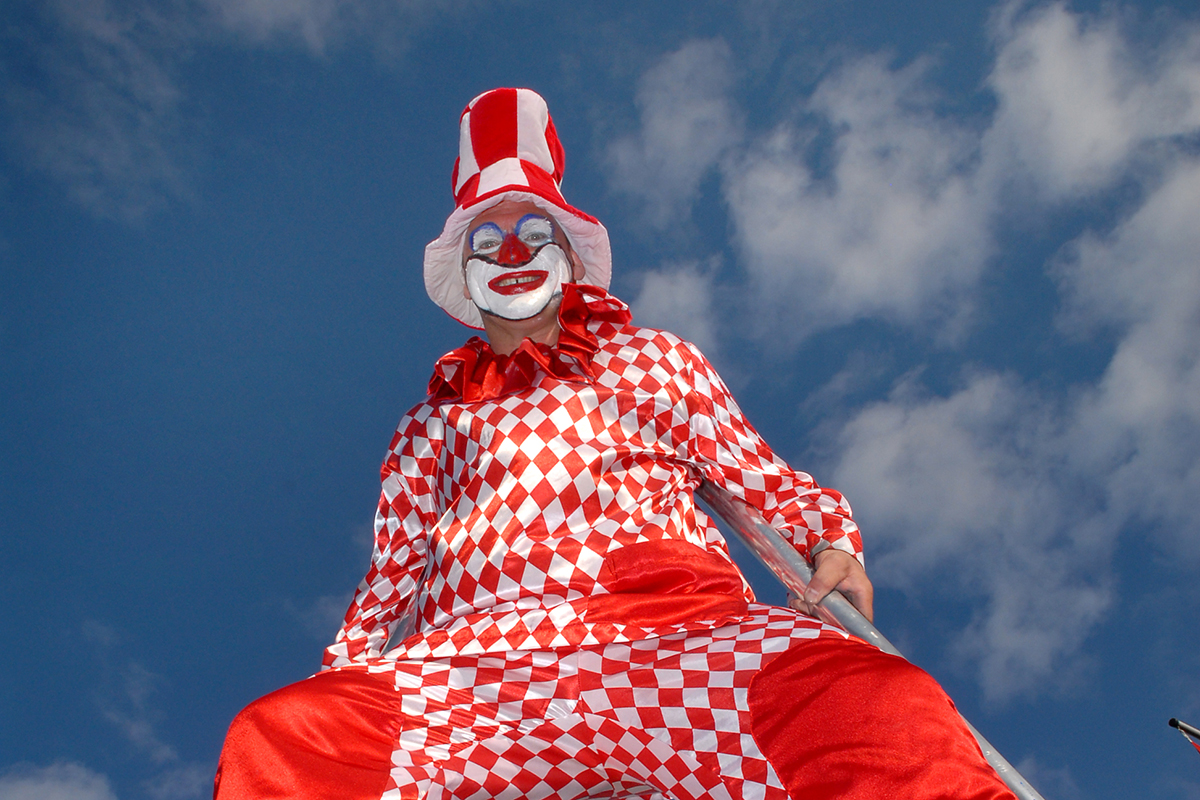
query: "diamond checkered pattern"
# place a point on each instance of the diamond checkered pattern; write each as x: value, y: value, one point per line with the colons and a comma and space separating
x: 496, y: 517
x: 656, y: 718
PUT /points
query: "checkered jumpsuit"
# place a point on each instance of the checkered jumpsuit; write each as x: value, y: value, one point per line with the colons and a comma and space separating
x: 569, y: 623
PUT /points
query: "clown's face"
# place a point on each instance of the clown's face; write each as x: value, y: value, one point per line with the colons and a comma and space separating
x: 516, y: 260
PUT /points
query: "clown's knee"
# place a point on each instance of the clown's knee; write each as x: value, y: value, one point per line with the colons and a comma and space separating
x: 839, y: 718
x: 329, y: 736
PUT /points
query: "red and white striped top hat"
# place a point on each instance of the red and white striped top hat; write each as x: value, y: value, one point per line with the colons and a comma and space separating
x: 508, y: 149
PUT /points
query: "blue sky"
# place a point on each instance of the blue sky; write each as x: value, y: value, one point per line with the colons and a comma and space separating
x: 945, y: 254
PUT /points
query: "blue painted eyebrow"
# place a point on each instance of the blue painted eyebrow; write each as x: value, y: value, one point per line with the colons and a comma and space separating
x: 528, y: 217
x: 487, y: 226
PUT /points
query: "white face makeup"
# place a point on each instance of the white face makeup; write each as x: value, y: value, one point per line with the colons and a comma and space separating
x: 515, y: 274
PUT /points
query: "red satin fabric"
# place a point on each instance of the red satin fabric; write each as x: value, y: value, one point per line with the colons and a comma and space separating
x: 330, y: 736
x: 859, y: 724
x: 666, y: 582
x: 474, y: 373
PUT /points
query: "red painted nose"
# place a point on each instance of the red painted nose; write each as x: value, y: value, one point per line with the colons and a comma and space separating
x: 512, y: 251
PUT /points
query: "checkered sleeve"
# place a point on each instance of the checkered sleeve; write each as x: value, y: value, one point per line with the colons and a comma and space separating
x: 732, y: 455
x: 407, y: 512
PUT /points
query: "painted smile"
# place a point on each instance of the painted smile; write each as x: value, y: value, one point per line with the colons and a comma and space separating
x: 518, y: 282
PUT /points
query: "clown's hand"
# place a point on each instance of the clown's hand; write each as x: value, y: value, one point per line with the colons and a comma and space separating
x: 838, y: 570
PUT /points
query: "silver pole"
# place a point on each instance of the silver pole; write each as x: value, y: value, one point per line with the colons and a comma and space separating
x: 1179, y: 725
x: 778, y: 555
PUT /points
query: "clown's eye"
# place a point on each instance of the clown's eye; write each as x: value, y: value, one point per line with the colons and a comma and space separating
x: 486, y: 238
x: 534, y: 230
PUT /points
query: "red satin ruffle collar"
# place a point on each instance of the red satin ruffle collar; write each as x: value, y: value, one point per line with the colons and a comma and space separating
x: 473, y: 373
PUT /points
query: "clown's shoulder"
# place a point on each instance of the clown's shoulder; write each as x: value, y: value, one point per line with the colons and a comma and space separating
x: 654, y: 342
x: 415, y: 444
x: 640, y: 343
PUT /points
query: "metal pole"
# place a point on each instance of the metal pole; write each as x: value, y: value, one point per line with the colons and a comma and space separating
x: 1183, y: 726
x: 778, y: 555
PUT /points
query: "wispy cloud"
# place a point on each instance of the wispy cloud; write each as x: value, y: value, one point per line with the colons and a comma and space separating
x: 1059, y: 783
x: 1038, y: 501
x: 963, y: 496
x: 129, y: 708
x: 313, y: 23
x: 1023, y: 497
x: 1078, y: 100
x: 1137, y: 432
x: 100, y: 112
x: 320, y: 26
x: 125, y: 696
x: 180, y: 782
x: 93, y: 90
x: 59, y: 781
x: 687, y: 122
x: 1029, y: 506
x: 678, y: 298
x: 891, y: 225
x: 319, y: 617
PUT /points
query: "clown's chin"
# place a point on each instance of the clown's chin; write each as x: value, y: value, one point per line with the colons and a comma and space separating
x: 521, y: 293
x: 512, y: 313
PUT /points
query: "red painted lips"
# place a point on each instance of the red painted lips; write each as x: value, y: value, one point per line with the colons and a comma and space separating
x: 511, y: 283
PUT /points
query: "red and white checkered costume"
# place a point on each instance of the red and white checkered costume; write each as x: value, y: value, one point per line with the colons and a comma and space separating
x: 580, y: 629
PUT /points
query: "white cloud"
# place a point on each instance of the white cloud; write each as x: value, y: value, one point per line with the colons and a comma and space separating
x: 59, y: 781
x: 1077, y: 100
x: 894, y: 230
x: 125, y: 694
x: 1137, y: 432
x: 678, y: 298
x: 687, y: 123
x: 961, y: 496
x: 1041, y: 490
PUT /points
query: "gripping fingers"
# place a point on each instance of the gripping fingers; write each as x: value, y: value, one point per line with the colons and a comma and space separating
x: 841, y: 571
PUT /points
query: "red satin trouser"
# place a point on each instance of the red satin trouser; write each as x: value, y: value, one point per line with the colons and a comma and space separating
x: 741, y: 712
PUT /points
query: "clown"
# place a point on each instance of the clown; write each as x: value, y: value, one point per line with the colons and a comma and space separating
x: 548, y: 613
